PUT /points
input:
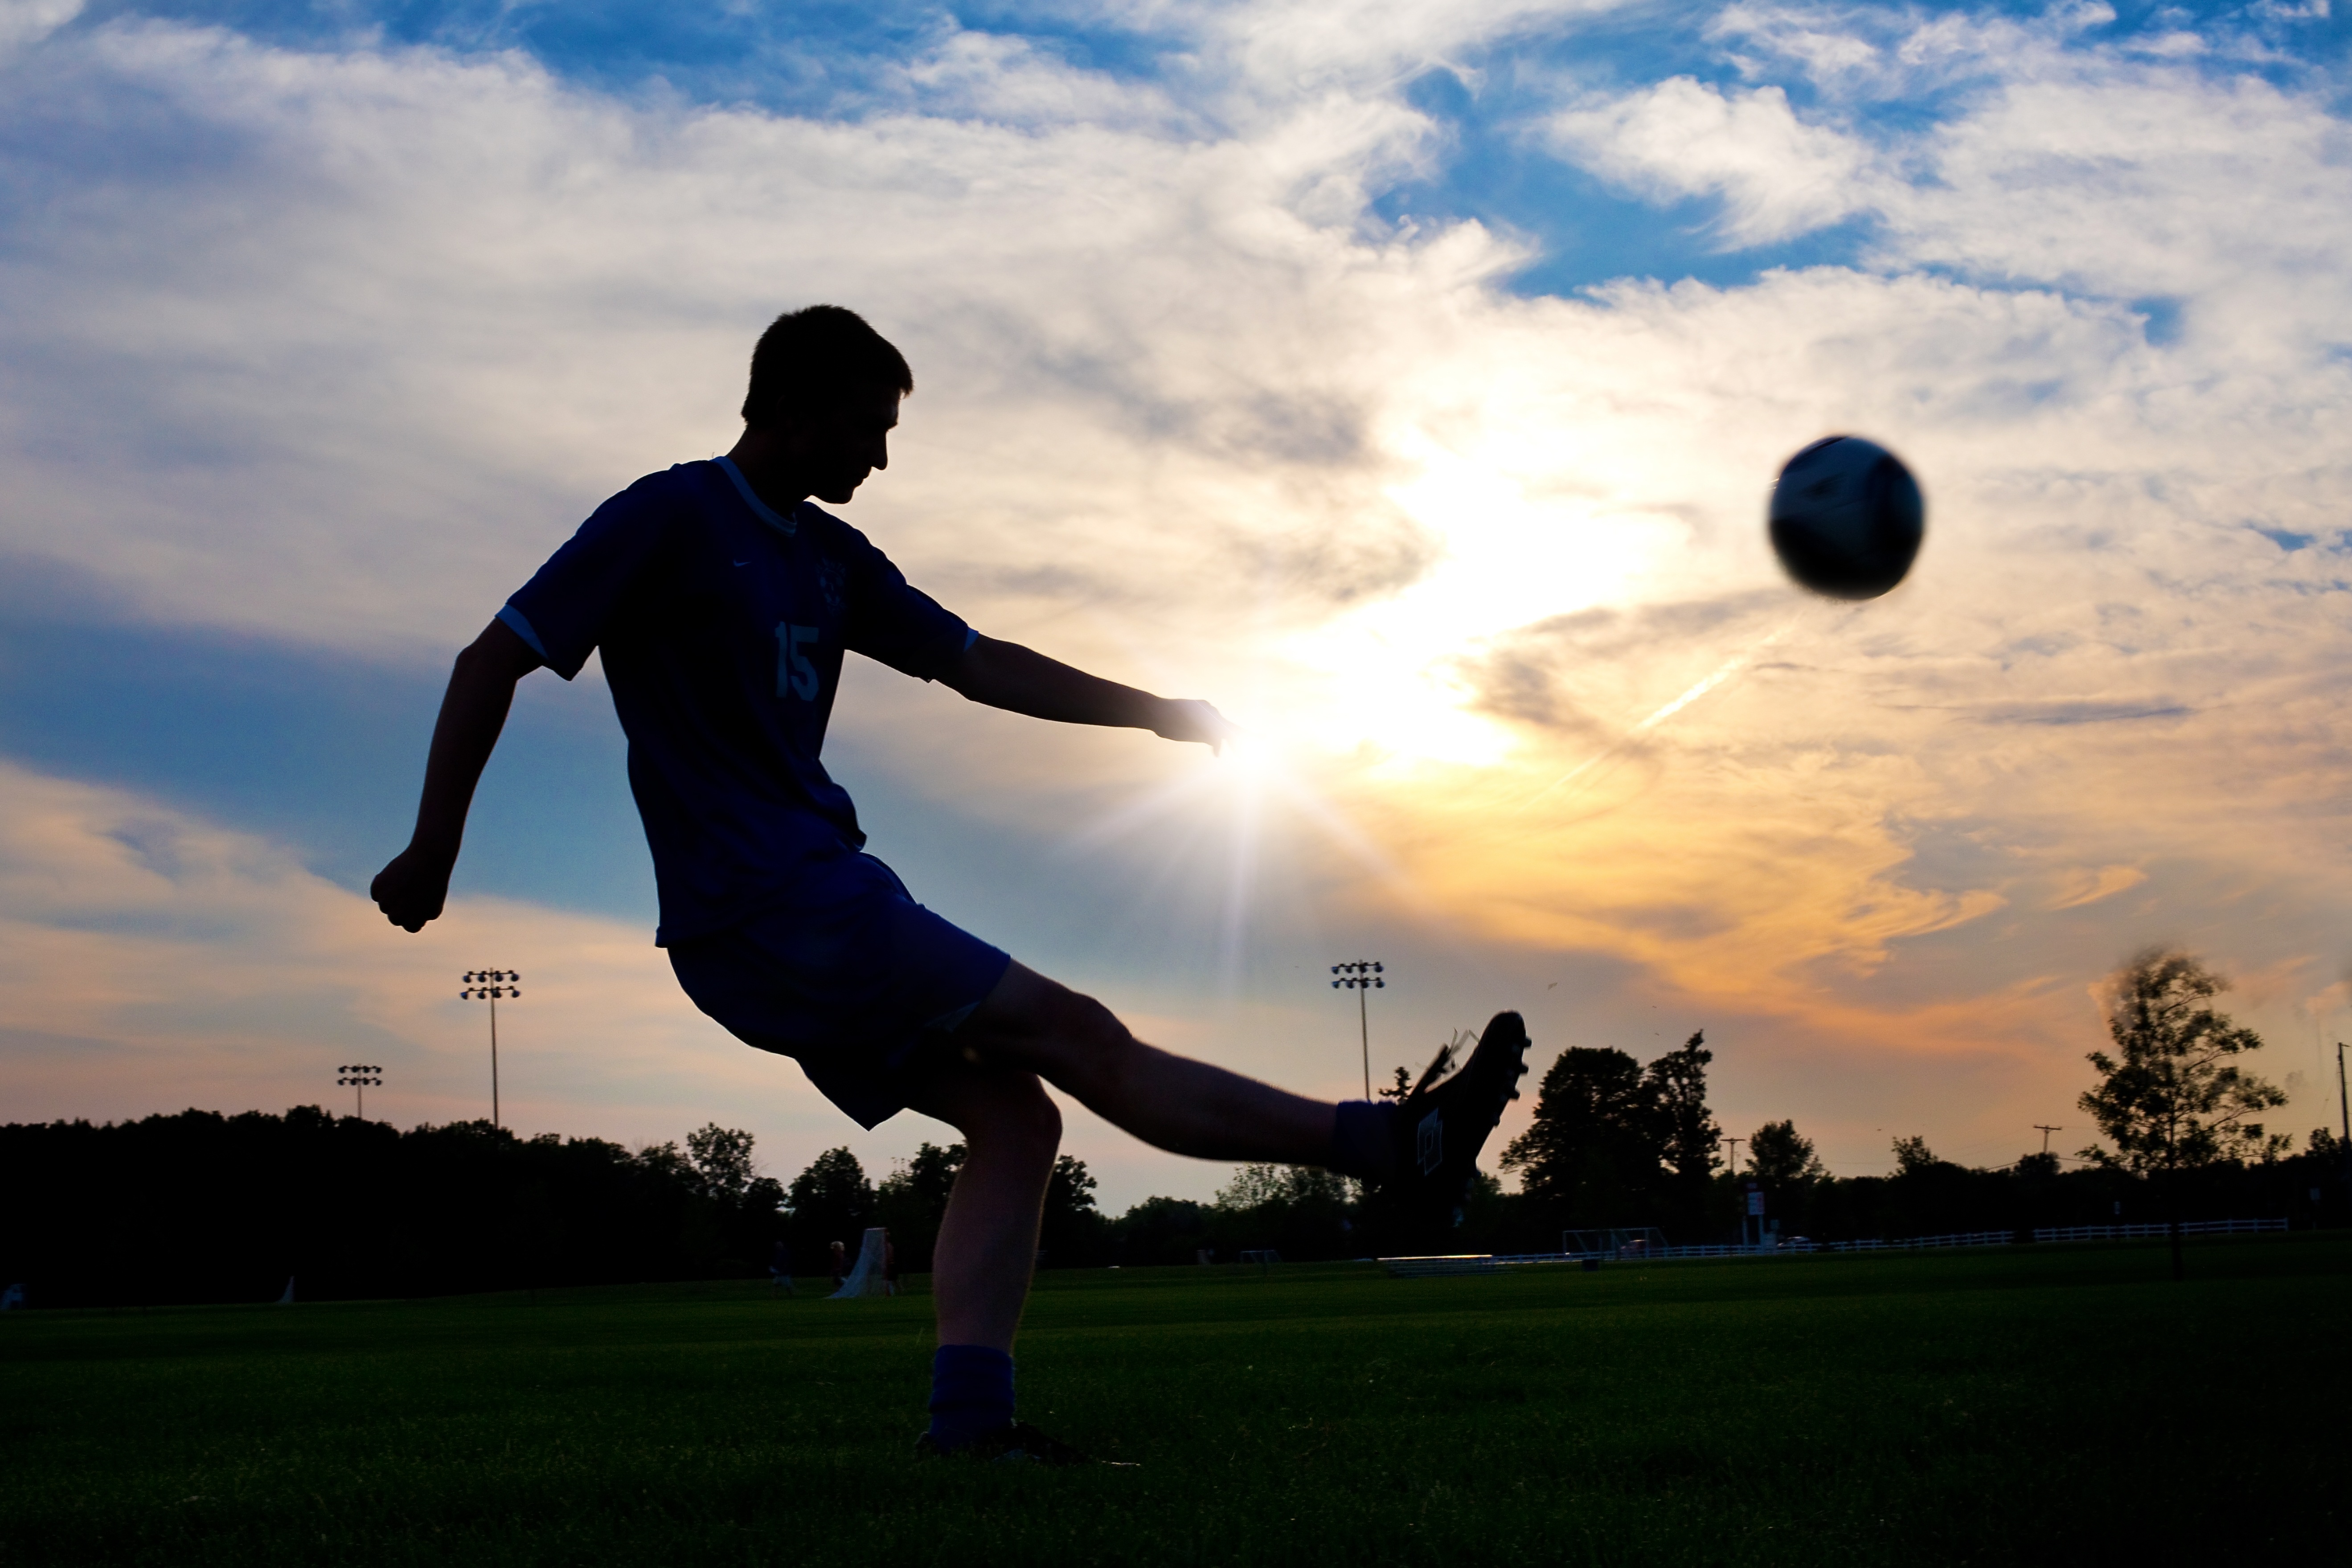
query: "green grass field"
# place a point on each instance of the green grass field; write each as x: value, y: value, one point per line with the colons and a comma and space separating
x: 2039, y: 1406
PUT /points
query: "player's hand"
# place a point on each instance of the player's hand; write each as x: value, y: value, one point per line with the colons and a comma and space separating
x: 412, y: 889
x: 1189, y: 718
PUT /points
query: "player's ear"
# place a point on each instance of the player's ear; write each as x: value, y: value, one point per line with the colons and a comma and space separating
x: 789, y: 426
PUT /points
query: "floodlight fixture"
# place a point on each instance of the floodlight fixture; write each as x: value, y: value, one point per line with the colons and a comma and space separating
x: 1361, y: 975
x: 489, y: 985
x: 359, y: 1078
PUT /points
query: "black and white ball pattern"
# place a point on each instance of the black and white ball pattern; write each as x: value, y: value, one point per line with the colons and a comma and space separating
x: 1847, y: 518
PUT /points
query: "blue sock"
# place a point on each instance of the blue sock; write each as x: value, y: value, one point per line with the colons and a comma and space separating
x: 971, y: 1394
x: 1363, y: 1140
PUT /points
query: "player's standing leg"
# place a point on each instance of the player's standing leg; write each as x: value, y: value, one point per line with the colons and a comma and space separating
x: 987, y: 1086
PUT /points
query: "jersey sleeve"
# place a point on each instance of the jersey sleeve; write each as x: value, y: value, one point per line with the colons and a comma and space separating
x: 563, y: 610
x: 891, y: 620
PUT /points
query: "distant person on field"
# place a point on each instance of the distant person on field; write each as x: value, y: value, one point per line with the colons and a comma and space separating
x: 889, y: 1266
x: 723, y: 601
x: 840, y: 1263
x: 780, y: 1267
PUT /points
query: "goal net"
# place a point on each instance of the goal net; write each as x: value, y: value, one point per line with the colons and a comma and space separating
x: 1627, y: 1241
x: 868, y: 1276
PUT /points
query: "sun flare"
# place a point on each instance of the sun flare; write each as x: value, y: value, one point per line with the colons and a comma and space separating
x: 1387, y: 673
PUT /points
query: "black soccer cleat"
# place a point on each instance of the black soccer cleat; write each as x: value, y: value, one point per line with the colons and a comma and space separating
x: 1018, y: 1444
x: 1440, y: 1128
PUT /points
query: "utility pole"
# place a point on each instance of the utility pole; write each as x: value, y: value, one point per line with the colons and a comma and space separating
x: 2045, y: 1133
x: 357, y: 1077
x: 2343, y: 1105
x: 489, y: 985
x: 1360, y: 976
x: 1734, y: 1143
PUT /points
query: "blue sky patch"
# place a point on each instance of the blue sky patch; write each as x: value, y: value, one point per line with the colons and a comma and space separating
x: 324, y: 753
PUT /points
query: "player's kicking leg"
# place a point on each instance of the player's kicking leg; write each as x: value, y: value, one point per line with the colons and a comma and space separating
x: 986, y: 1084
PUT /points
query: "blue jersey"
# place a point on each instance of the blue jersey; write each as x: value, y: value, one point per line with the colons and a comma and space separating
x: 722, y: 627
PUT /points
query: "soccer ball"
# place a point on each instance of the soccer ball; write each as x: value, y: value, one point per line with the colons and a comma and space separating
x: 1847, y: 518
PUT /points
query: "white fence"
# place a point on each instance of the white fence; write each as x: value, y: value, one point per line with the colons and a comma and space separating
x: 1958, y: 1238
x: 1459, y: 1263
x: 2135, y: 1232
x: 1489, y: 1263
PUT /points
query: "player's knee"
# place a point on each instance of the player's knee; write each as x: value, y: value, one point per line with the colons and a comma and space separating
x: 1040, y: 1119
x: 1098, y: 1049
x: 1095, y: 1026
x: 1069, y: 1037
x: 1023, y: 1119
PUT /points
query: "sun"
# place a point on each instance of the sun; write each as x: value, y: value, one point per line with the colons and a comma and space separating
x: 1394, y: 676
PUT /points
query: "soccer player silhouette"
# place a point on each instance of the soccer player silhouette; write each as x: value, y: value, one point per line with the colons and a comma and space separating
x: 723, y: 600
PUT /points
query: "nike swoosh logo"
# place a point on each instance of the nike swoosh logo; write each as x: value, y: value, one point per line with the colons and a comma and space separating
x: 743, y: 562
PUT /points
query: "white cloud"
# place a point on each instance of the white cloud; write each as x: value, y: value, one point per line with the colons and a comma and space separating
x: 27, y: 22
x: 991, y: 76
x: 460, y: 302
x: 2231, y: 193
x: 2114, y: 164
x: 338, y: 345
x: 1266, y: 56
x: 1777, y: 175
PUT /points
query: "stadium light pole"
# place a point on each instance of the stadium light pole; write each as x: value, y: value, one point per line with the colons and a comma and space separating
x: 1363, y: 976
x: 359, y: 1078
x: 489, y: 985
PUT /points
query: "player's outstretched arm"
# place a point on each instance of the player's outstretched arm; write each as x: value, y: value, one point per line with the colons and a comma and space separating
x: 1020, y: 681
x: 412, y: 889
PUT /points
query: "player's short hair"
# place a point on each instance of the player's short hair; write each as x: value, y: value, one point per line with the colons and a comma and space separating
x: 808, y: 358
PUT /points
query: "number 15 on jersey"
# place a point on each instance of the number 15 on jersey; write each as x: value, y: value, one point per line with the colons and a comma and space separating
x: 795, y: 676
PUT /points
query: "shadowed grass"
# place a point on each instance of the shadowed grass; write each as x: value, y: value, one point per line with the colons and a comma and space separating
x: 1995, y: 1408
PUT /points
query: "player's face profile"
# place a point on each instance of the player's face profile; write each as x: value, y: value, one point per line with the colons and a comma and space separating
x: 849, y: 441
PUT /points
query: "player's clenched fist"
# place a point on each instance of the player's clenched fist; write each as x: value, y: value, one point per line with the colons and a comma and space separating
x: 1189, y: 718
x: 411, y: 891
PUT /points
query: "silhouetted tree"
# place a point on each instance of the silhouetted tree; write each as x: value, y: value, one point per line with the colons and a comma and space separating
x: 1299, y: 1211
x: 1593, y: 1153
x: 721, y: 1158
x: 1689, y: 1136
x: 831, y: 1201
x: 468, y: 1206
x: 1782, y: 1158
x: 257, y: 1197
x: 1159, y: 1230
x: 1073, y: 1233
x: 1914, y: 1158
x: 913, y: 1199
x: 2172, y: 1099
x: 1254, y: 1186
x: 660, y: 1157
x: 747, y: 1207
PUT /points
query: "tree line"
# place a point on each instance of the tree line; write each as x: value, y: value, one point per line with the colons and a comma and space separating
x: 200, y: 1206
x: 1616, y: 1144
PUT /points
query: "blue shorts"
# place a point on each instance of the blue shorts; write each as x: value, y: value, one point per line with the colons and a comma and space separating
x: 850, y: 980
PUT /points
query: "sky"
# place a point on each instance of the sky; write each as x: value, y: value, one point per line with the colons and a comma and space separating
x: 1407, y: 379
